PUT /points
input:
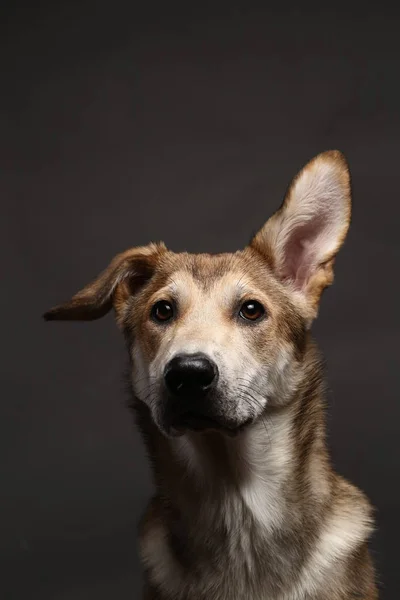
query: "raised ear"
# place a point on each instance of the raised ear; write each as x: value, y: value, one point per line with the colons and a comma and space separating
x: 126, y: 273
x: 300, y: 241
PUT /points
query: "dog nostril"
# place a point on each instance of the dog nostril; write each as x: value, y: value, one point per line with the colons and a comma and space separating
x: 190, y: 374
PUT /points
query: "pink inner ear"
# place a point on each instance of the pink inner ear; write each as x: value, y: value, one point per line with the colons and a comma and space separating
x: 302, y: 250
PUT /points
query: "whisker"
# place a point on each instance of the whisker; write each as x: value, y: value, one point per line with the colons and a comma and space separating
x: 248, y: 382
x: 148, y: 390
x: 145, y: 377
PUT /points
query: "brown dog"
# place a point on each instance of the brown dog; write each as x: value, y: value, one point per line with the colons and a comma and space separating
x: 228, y: 391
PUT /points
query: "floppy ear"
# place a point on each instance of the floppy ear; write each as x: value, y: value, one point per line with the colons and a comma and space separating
x: 300, y: 241
x: 124, y: 275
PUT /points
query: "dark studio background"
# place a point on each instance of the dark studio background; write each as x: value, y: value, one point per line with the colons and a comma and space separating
x: 122, y: 125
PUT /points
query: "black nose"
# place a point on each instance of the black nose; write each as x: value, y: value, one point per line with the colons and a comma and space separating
x: 190, y: 374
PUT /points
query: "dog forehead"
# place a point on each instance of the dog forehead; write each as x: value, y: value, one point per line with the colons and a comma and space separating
x: 208, y: 282
x: 206, y: 272
x: 223, y: 287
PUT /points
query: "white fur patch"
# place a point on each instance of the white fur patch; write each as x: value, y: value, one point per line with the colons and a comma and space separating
x: 347, y: 528
x: 266, y: 451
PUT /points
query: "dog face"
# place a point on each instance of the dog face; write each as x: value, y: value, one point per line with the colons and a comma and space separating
x: 215, y: 339
x: 212, y: 341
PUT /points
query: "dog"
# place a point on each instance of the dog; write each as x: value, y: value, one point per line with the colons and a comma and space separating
x: 228, y: 391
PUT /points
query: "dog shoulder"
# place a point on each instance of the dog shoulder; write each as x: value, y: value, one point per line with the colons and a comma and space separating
x: 340, y: 564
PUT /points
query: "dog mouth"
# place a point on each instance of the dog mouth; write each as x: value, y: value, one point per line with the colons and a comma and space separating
x: 191, y: 421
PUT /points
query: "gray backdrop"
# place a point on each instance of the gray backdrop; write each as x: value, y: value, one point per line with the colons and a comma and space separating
x: 122, y: 125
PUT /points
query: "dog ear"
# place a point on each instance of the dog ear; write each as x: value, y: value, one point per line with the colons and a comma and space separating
x: 124, y: 276
x: 300, y: 241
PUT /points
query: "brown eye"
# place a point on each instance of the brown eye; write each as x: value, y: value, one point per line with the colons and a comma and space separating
x: 162, y: 311
x: 252, y: 310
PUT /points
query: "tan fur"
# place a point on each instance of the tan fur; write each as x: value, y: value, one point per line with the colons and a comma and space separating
x: 258, y: 514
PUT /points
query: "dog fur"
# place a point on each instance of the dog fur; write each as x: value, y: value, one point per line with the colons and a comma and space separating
x: 252, y: 511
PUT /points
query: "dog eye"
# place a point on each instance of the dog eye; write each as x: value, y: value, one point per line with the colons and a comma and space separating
x: 162, y: 311
x: 252, y: 310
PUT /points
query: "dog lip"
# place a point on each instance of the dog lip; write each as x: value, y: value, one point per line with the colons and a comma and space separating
x: 198, y: 422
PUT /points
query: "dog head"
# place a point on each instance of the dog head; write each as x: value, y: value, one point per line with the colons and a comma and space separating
x: 215, y: 339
